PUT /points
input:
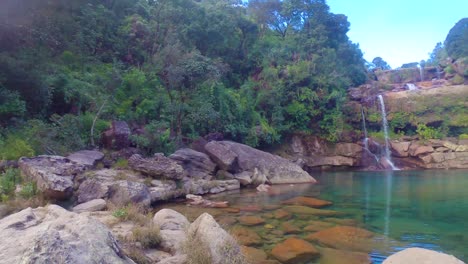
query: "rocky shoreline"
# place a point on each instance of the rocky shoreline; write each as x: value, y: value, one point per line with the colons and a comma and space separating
x: 110, y: 205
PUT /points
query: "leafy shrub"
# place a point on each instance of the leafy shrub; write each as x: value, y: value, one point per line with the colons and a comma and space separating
x: 14, y: 147
x: 157, y: 138
x: 121, y: 213
x: 120, y: 164
x: 28, y: 190
x: 424, y: 132
x: 8, y: 181
x: 463, y: 136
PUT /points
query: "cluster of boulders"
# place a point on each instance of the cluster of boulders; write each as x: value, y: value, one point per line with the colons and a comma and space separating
x: 52, y: 234
x: 224, y: 166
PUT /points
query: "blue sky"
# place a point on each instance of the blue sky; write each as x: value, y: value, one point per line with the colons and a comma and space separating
x: 399, y: 31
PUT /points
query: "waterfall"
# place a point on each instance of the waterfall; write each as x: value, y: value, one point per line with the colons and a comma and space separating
x: 421, y: 72
x: 366, y: 139
x: 438, y: 71
x: 411, y: 87
x: 385, y: 129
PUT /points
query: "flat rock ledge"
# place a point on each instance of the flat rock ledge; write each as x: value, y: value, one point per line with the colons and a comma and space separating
x: 52, y: 234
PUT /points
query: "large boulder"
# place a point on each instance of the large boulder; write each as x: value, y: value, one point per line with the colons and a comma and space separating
x: 119, y: 186
x: 53, y: 235
x: 54, y: 175
x: 96, y: 184
x: 197, y: 164
x: 235, y: 157
x: 124, y: 192
x: 421, y: 255
x: 173, y: 226
x: 157, y: 166
x: 87, y: 158
x: 222, y: 245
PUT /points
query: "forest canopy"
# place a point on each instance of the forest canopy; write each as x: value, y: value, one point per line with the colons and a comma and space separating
x: 173, y: 68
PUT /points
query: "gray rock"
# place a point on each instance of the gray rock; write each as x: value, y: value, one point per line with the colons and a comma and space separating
x: 177, y: 259
x: 197, y: 165
x: 245, y: 177
x: 157, y: 255
x: 222, y: 246
x: 222, y: 155
x: 421, y: 255
x: 86, y: 157
x: 96, y: 184
x: 235, y: 157
x: 168, y: 219
x: 173, y: 227
x: 91, y: 206
x: 215, y: 186
x: 124, y: 192
x: 157, y: 167
x: 54, y: 175
x: 53, y: 235
x: 164, y: 190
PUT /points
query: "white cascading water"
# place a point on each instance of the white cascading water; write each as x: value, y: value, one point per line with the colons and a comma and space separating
x: 411, y: 87
x: 385, y: 129
x: 421, y: 72
x: 366, y: 139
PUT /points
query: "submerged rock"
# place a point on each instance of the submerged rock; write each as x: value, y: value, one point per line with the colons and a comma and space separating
x: 307, y: 201
x: 294, y: 250
x: 421, y: 255
x: 54, y: 235
x: 345, y: 237
x: 333, y: 256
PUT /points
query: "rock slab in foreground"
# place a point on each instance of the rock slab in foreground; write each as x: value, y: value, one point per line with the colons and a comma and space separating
x: 420, y: 256
x: 53, y: 235
x: 236, y: 157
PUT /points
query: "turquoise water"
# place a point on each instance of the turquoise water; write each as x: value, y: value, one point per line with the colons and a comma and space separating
x: 426, y: 209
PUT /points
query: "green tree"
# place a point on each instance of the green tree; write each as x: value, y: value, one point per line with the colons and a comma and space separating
x: 456, y: 40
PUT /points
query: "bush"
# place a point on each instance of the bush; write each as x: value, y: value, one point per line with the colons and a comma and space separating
x: 14, y: 148
x: 149, y: 236
x: 424, y: 132
x: 28, y: 190
x: 463, y: 136
x: 8, y: 181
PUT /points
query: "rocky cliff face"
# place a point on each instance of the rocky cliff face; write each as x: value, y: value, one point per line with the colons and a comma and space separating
x: 314, y: 153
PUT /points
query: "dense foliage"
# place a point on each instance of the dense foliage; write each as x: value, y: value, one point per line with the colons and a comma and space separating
x: 177, y: 68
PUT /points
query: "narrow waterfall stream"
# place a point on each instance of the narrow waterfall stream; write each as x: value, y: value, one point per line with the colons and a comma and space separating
x: 385, y: 129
